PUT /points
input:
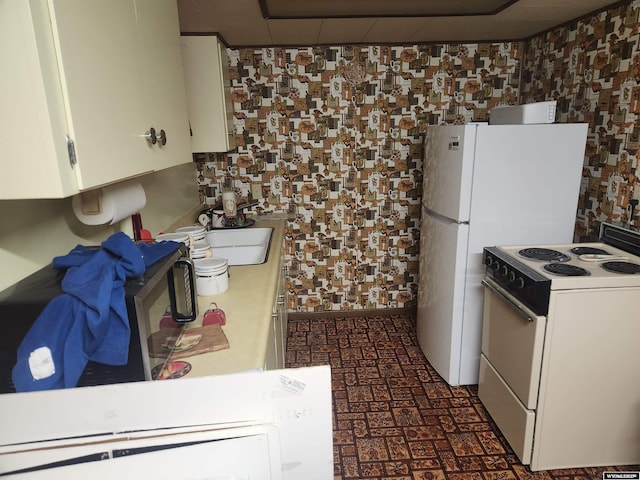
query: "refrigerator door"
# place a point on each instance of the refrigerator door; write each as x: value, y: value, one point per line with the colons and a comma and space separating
x: 448, y: 170
x: 443, y: 247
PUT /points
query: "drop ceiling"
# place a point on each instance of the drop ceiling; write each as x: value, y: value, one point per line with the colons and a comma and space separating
x: 242, y: 23
x: 378, y: 8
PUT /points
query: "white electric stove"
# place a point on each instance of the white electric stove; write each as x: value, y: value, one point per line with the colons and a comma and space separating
x: 559, y: 364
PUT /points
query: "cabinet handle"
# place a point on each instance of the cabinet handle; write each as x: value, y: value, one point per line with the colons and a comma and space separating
x: 151, y: 136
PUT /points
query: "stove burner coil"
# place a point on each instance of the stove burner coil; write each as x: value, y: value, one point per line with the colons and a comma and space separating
x: 565, y: 269
x: 588, y: 251
x: 544, y: 254
x: 622, y: 267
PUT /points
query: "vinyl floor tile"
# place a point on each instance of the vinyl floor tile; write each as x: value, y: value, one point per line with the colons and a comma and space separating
x: 395, y: 418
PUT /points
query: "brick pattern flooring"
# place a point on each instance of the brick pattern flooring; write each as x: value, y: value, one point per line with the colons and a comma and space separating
x: 395, y: 418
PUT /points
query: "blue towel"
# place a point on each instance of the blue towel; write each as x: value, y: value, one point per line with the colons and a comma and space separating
x: 89, y: 320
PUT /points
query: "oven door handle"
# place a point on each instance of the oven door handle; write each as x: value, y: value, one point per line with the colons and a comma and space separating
x: 515, y: 306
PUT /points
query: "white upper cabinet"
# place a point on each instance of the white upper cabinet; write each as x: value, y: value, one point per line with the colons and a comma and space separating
x: 163, y: 81
x: 210, y: 107
x: 85, y: 83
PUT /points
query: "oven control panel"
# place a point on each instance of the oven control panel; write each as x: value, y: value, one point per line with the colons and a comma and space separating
x: 525, y: 284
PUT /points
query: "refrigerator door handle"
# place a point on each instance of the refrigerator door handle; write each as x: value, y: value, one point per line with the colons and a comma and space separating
x: 441, y: 218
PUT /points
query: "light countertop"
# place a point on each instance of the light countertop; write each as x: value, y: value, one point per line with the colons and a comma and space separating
x: 248, y: 306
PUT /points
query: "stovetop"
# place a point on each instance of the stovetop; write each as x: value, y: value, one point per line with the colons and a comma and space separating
x: 532, y: 272
x: 579, y: 265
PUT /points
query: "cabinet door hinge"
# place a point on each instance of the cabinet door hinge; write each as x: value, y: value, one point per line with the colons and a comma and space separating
x: 71, y: 151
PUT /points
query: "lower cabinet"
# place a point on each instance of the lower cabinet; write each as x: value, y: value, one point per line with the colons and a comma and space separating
x: 277, y: 346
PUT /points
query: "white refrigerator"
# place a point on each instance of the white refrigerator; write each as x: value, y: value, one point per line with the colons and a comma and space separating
x: 486, y: 185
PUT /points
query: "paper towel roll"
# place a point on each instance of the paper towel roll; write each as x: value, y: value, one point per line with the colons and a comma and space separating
x: 109, y: 204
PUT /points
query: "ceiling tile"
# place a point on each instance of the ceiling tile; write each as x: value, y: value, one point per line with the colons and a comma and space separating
x: 344, y: 30
x: 294, y: 32
x: 394, y: 30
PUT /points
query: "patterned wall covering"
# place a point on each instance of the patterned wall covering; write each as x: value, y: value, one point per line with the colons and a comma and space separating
x: 332, y: 137
x: 592, y: 68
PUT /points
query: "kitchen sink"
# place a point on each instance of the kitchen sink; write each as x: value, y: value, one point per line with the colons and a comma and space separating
x: 241, y: 246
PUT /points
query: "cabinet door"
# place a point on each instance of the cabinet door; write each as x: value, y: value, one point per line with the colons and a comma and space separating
x: 273, y: 354
x: 277, y: 343
x: 206, y: 71
x: 163, y: 80
x: 99, y: 73
x: 282, y: 314
x: 33, y: 149
x: 101, y: 79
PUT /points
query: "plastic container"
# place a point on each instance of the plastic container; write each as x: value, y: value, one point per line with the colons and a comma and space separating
x: 212, y: 276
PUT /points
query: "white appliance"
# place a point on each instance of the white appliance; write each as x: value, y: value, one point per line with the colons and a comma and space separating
x: 539, y: 112
x: 559, y: 364
x: 486, y: 185
x: 271, y: 425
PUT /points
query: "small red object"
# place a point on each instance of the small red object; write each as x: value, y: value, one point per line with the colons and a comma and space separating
x: 167, y: 320
x: 214, y: 316
x: 140, y: 234
x: 145, y: 235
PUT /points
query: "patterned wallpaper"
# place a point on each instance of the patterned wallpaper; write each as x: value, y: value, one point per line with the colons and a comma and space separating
x: 331, y: 136
x: 592, y: 68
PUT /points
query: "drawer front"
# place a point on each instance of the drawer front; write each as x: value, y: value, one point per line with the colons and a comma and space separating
x: 512, y: 340
x: 514, y: 420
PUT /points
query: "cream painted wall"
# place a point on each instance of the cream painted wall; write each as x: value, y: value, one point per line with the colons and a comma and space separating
x: 32, y: 232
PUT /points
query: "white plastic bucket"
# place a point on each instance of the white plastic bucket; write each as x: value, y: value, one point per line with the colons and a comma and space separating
x: 212, y: 276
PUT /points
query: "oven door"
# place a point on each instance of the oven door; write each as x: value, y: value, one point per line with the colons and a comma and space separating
x: 512, y: 344
x: 512, y: 341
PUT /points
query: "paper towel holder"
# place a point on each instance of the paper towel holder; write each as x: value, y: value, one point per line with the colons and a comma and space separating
x: 109, y: 204
x: 91, y: 202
